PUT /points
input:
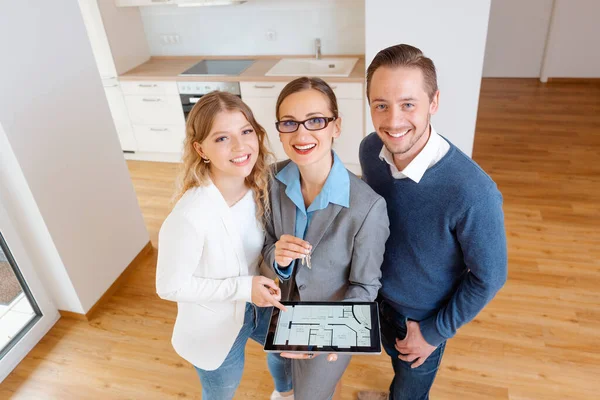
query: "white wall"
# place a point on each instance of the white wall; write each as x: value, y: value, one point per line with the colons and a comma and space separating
x: 453, y: 35
x: 56, y: 118
x: 516, y: 38
x: 240, y: 29
x: 25, y: 215
x: 573, y: 47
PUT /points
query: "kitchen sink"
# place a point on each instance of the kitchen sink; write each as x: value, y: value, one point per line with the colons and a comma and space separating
x: 313, y: 67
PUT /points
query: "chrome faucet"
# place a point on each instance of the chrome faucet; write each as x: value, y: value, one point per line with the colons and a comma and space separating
x: 318, y: 48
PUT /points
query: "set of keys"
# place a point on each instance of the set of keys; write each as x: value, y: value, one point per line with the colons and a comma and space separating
x: 306, y: 261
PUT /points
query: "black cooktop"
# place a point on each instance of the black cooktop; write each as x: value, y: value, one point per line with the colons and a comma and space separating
x: 218, y: 67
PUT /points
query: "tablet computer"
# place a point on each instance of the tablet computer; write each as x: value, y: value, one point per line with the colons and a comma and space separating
x: 325, y: 327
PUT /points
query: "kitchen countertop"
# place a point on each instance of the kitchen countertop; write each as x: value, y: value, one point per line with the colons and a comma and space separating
x: 168, y: 69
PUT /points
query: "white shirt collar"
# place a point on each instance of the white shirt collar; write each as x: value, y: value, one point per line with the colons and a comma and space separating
x: 433, y: 151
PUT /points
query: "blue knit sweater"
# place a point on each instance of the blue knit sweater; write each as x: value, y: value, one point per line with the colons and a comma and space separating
x: 446, y: 256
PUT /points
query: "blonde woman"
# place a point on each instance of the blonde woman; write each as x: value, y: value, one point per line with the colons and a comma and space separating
x: 210, y: 245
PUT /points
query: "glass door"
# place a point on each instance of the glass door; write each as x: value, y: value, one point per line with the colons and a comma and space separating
x: 26, y: 311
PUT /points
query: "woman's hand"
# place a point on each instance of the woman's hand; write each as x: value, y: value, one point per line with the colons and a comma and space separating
x: 289, y: 248
x: 265, y: 293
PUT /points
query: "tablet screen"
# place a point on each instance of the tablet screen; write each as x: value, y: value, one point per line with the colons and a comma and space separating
x: 332, y: 327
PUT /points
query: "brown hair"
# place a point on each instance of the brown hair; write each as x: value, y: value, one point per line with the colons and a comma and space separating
x: 304, y: 83
x: 404, y: 55
x: 194, y: 172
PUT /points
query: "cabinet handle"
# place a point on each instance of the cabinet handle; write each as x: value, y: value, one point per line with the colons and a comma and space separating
x: 159, y: 129
x: 151, y: 100
x: 147, y: 85
x: 159, y: 1
x: 264, y: 86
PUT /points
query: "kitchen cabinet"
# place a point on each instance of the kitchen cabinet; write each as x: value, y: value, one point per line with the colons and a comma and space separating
x: 261, y: 97
x: 151, y: 88
x: 129, y: 48
x: 160, y: 138
x: 118, y: 110
x: 351, y: 110
x: 152, y: 110
x: 156, y: 115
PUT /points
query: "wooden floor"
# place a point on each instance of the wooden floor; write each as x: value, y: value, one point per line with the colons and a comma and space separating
x: 539, y: 339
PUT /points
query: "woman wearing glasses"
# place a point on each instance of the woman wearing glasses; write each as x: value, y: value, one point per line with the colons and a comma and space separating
x: 326, y: 235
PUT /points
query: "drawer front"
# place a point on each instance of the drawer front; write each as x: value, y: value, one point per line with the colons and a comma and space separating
x: 352, y: 90
x: 159, y: 138
x: 261, y: 89
x: 155, y: 110
x: 155, y: 88
x: 347, y: 90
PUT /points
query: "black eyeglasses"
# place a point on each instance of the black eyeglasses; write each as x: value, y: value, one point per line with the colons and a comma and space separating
x: 311, y: 124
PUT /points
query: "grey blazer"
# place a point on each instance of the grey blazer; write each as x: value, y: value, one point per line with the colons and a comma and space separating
x: 348, y: 245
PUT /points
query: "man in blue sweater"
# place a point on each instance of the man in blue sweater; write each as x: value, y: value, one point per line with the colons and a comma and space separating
x: 446, y: 256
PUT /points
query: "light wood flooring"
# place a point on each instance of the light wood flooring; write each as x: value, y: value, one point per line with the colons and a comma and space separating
x: 538, y: 339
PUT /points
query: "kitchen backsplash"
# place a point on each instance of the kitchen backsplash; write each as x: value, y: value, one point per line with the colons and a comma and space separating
x: 258, y: 27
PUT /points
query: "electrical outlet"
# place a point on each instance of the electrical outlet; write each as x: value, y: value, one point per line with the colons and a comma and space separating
x: 169, y: 39
x: 271, y: 35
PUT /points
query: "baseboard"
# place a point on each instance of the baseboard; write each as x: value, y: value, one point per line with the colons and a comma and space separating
x: 72, y: 315
x: 112, y: 289
x: 594, y: 81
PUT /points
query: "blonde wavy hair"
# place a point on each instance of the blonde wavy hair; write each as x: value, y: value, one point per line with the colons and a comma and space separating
x: 194, y: 172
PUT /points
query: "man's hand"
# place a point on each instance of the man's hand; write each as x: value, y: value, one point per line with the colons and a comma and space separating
x: 331, y: 357
x: 265, y: 293
x: 414, y: 347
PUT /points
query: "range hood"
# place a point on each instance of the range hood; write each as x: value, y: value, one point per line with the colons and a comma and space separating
x: 203, y: 3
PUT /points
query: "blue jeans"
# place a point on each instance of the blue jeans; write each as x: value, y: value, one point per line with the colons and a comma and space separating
x: 408, y: 383
x: 222, y: 383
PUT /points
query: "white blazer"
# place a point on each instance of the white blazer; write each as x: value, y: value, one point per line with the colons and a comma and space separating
x: 202, y: 266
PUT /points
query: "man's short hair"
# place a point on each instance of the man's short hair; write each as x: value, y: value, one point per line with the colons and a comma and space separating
x: 404, y: 55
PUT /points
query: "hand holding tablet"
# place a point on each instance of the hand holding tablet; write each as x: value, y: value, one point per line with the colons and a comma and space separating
x: 324, y: 327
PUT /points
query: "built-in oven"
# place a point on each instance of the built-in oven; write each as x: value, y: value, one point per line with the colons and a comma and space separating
x: 191, y: 92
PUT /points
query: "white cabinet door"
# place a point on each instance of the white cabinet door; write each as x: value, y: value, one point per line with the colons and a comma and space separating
x: 261, y: 89
x: 155, y: 110
x: 346, y: 146
x: 351, y: 90
x: 263, y: 109
x: 152, y: 88
x: 160, y: 138
x: 118, y: 109
x: 261, y: 97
